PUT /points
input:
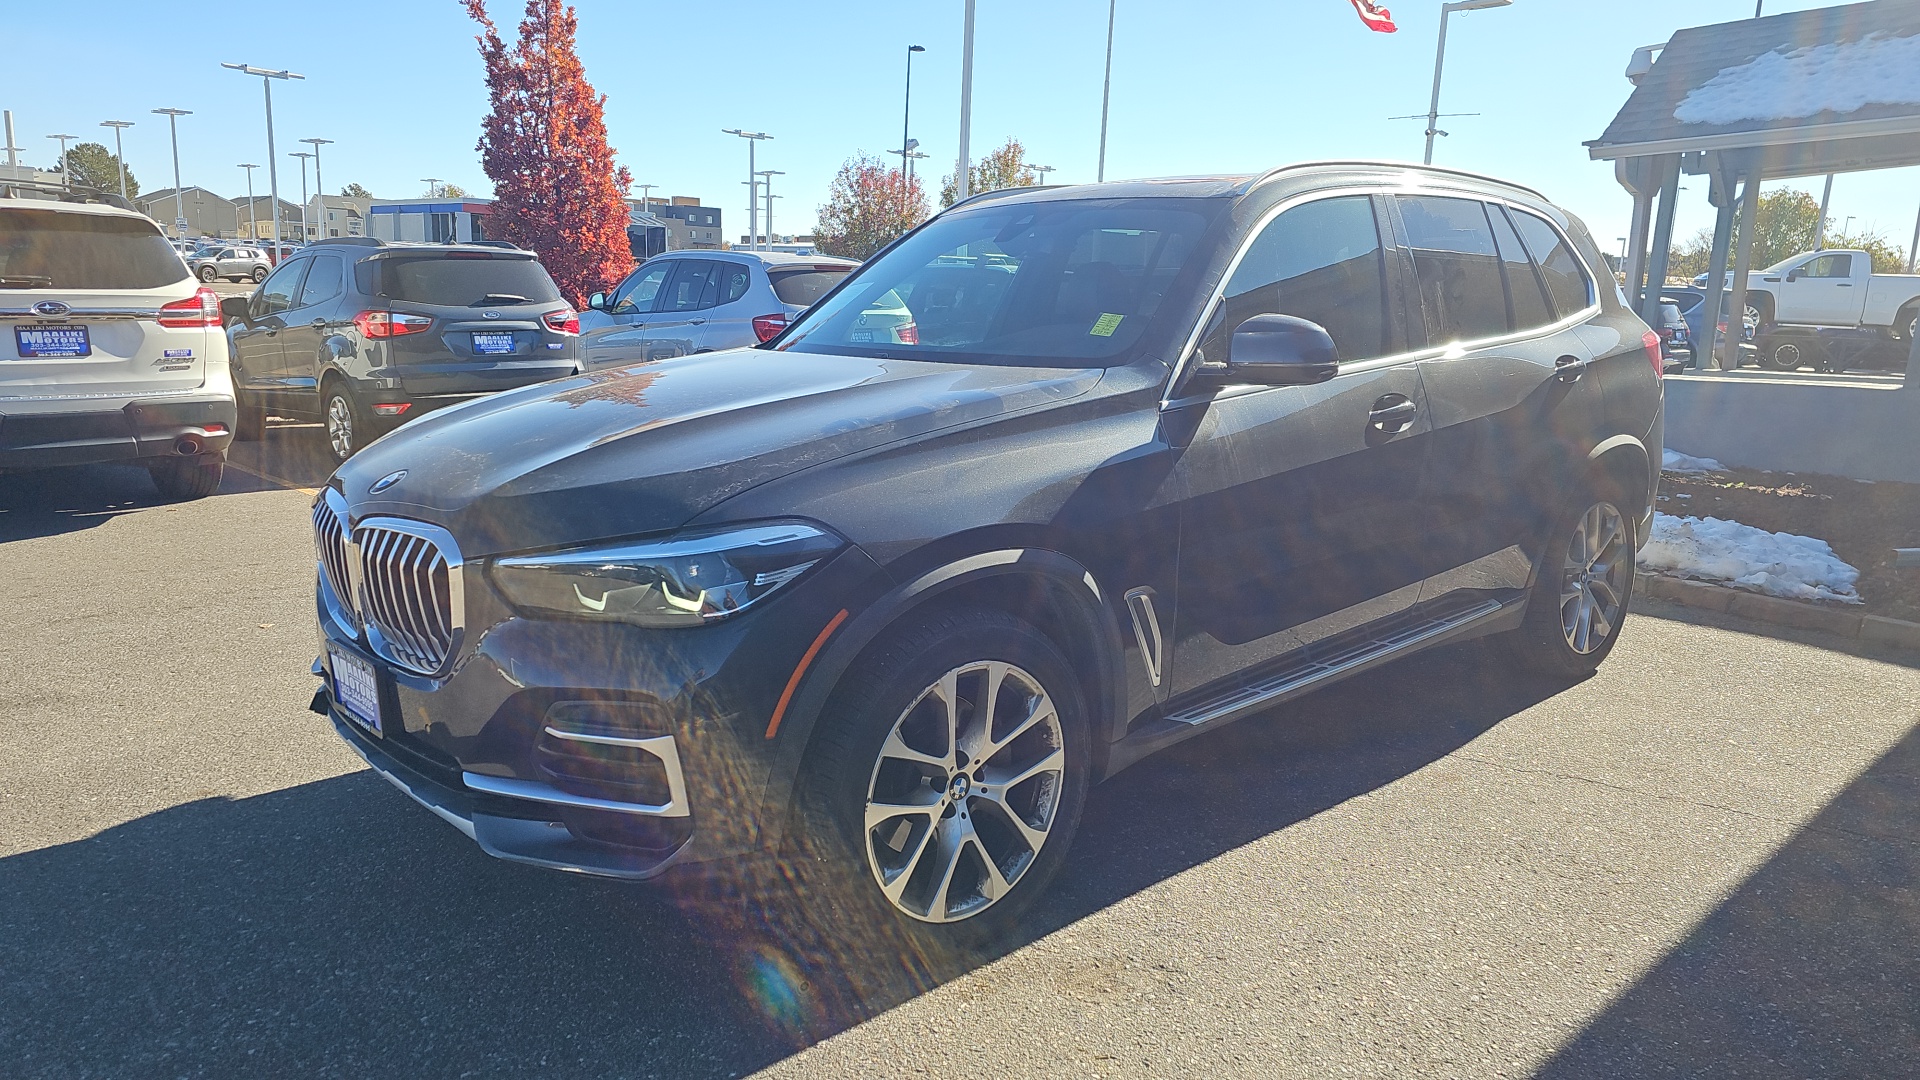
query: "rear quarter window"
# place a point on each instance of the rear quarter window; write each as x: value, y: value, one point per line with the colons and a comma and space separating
x: 42, y: 249
x: 803, y: 287
x: 460, y: 280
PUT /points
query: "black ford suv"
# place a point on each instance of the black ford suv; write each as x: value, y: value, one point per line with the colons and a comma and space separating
x: 365, y: 335
x: 1159, y: 455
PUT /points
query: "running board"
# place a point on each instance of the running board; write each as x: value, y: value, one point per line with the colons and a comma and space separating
x: 1346, y: 657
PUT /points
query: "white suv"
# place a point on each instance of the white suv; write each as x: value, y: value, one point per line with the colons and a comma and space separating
x: 109, y: 350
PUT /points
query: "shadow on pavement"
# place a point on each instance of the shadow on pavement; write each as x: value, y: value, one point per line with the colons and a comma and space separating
x: 334, y: 927
x: 1811, y: 968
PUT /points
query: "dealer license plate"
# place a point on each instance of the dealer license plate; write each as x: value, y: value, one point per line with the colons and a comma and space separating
x: 493, y: 344
x: 357, y: 688
x: 34, y: 342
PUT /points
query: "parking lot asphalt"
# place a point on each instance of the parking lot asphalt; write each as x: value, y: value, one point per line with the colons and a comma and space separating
x: 1701, y: 861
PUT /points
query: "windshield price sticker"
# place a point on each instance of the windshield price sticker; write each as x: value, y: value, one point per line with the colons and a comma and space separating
x: 1106, y: 325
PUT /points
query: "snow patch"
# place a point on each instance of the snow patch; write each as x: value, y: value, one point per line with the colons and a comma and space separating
x: 1879, y: 69
x: 1673, y: 461
x: 1727, y: 552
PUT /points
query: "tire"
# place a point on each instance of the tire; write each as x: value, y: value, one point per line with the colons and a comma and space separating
x: 251, y: 424
x: 189, y: 478
x: 1589, y: 532
x: 209, y: 274
x: 259, y: 274
x: 924, y: 872
x: 1786, y: 356
x: 1906, y: 325
x: 345, y: 423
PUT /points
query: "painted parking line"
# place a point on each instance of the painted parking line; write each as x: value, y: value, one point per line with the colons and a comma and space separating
x: 272, y: 479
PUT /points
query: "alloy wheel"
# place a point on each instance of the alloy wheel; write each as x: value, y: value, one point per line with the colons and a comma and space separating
x: 965, y: 792
x: 1594, y: 583
x: 340, y: 432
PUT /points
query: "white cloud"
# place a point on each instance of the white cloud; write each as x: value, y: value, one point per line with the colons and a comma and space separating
x: 1876, y: 70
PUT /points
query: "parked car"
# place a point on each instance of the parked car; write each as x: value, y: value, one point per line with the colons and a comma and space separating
x: 1835, y: 289
x: 1161, y: 455
x: 111, y: 352
x: 1676, y: 340
x: 364, y: 335
x: 232, y: 263
x: 686, y: 302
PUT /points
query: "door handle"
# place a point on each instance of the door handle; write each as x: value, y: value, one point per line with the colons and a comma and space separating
x: 273, y: 333
x: 1846, y: 284
x: 698, y: 322
x: 1568, y: 369
x: 1393, y: 414
x: 318, y: 323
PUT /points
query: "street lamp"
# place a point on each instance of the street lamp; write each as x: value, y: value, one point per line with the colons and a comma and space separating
x: 318, y: 184
x: 1043, y: 170
x: 1106, y: 92
x: 1440, y: 60
x: 253, y: 208
x: 273, y: 167
x: 303, y: 155
x: 119, y: 158
x: 173, y: 129
x: 963, y: 175
x: 66, y: 178
x: 753, y: 185
x: 770, y: 174
x: 906, y: 144
x: 433, y: 186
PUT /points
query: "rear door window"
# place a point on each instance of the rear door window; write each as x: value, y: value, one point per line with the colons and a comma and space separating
x: 802, y: 287
x: 1526, y: 293
x: 1462, y: 291
x: 464, y: 279
x: 42, y: 249
x: 1320, y: 262
x: 1566, y: 280
x: 325, y: 281
x: 692, y: 281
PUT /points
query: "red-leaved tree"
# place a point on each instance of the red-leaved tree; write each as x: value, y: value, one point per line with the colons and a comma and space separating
x: 556, y: 189
x: 868, y: 206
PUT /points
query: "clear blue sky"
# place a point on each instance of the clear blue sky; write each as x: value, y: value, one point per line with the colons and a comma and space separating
x: 1199, y: 86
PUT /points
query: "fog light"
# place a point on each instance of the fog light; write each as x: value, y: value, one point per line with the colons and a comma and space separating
x: 393, y: 410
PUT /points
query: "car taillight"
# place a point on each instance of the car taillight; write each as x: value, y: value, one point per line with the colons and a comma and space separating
x: 768, y: 327
x: 396, y: 408
x: 1666, y: 333
x: 1652, y: 342
x: 200, y: 309
x: 908, y: 334
x: 565, y: 322
x: 386, y: 324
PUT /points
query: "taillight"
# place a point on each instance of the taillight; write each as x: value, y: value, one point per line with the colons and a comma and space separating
x: 386, y: 324
x: 564, y: 322
x: 768, y: 327
x: 1666, y: 333
x: 200, y: 309
x: 1652, y: 341
x: 907, y: 334
x: 393, y: 409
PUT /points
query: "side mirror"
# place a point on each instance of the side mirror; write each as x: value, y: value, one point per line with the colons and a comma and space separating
x: 1280, y: 350
x: 1796, y: 273
x: 233, y: 309
x: 598, y: 301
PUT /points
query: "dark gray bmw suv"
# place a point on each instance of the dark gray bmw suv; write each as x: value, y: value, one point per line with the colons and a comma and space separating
x: 1157, y: 456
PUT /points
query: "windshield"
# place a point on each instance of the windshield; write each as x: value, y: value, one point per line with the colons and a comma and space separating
x: 461, y: 279
x: 1036, y: 283
x: 42, y: 249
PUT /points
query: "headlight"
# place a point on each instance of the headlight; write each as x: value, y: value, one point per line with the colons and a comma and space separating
x: 685, y: 580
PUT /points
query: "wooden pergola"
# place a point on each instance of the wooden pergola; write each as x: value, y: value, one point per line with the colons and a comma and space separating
x: 1810, y: 93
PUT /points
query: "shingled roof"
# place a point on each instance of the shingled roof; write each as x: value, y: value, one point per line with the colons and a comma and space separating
x: 1835, y: 73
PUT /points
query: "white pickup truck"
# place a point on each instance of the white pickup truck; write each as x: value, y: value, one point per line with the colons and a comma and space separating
x: 1835, y: 288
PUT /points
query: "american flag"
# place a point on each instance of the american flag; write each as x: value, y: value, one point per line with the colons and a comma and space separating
x: 1375, y: 16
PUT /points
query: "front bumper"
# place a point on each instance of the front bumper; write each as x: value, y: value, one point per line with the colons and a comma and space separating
x: 115, y: 430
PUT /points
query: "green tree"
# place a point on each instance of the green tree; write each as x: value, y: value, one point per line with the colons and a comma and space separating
x: 1005, y: 167
x: 453, y: 191
x: 89, y: 163
x: 355, y: 191
x: 1888, y: 257
x: 1786, y: 226
x: 868, y: 206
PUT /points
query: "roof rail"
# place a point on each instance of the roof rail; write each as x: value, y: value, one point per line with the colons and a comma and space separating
x: 508, y: 244
x: 997, y: 193
x: 1274, y: 174
x: 351, y: 241
x: 76, y: 193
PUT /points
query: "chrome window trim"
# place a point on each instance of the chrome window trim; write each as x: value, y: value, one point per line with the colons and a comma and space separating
x: 81, y: 313
x: 1453, y: 350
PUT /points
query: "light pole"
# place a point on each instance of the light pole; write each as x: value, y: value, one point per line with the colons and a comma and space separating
x: 963, y: 176
x: 66, y: 178
x: 253, y: 208
x: 173, y: 130
x: 1106, y: 93
x: 433, y: 186
x: 646, y: 202
x: 753, y: 185
x: 319, y: 185
x: 1043, y: 170
x: 906, y: 116
x: 273, y: 166
x: 119, y: 158
x: 1440, y: 60
x: 303, y: 155
x: 769, y: 174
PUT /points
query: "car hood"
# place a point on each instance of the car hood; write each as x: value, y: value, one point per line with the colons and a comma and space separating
x: 640, y: 449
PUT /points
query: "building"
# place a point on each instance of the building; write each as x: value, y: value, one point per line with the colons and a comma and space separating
x: 689, y: 225
x: 433, y: 220
x: 27, y: 174
x: 646, y: 235
x: 205, y: 213
x: 336, y: 215
x: 259, y: 212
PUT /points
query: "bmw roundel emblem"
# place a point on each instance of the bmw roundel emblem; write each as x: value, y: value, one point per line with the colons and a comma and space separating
x: 51, y: 308
x: 386, y: 482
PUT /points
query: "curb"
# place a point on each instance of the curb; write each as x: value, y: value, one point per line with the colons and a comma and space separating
x: 1874, y: 629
